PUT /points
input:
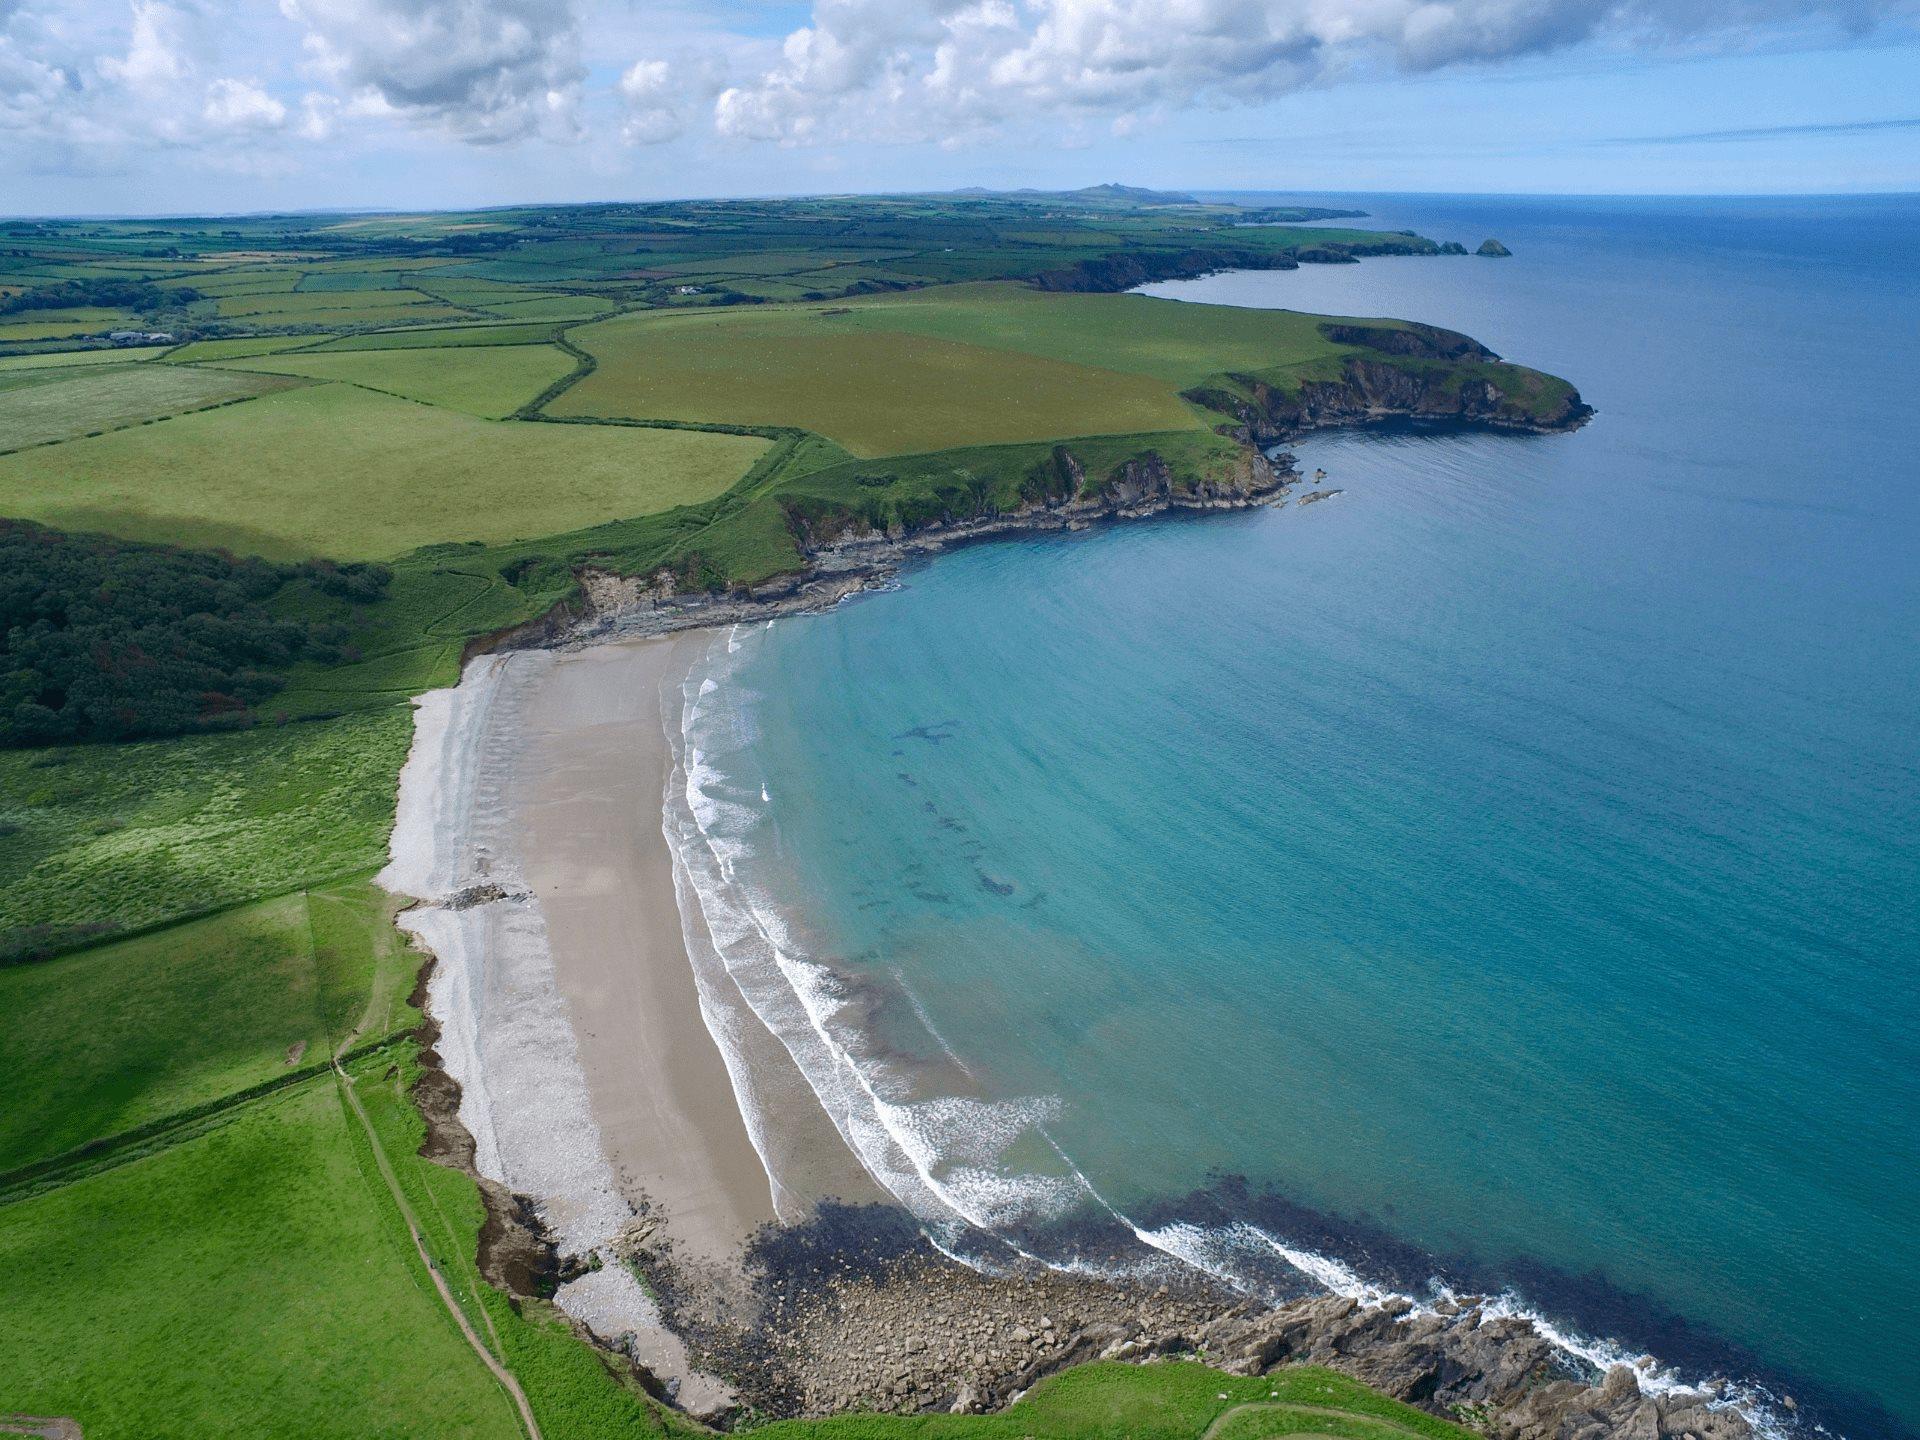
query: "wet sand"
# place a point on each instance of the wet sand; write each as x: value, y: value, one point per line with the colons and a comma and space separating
x: 587, y: 792
x: 530, y: 829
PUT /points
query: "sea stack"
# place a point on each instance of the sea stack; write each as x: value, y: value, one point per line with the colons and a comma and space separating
x: 1492, y: 248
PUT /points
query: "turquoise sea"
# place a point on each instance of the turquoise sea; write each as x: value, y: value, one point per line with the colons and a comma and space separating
x: 1505, y: 874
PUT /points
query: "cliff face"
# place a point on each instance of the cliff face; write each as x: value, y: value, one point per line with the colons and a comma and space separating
x: 1058, y: 497
x: 1112, y: 273
x: 1369, y: 389
x: 1416, y: 372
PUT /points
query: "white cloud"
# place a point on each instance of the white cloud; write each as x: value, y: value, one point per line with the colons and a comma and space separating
x: 242, y: 105
x: 157, y: 53
x: 482, y: 70
x: 932, y: 69
x: 651, y: 95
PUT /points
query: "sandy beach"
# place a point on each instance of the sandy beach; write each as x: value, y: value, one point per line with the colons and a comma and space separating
x: 530, y: 826
x: 658, y: 1128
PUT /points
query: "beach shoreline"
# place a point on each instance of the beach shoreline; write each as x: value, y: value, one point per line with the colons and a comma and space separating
x: 707, y: 1219
x: 567, y: 1011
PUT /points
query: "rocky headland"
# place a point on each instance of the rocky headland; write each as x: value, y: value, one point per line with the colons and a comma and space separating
x: 853, y: 1311
x: 1419, y: 374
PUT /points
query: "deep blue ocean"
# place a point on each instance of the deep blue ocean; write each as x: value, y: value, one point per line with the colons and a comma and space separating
x: 1507, y: 871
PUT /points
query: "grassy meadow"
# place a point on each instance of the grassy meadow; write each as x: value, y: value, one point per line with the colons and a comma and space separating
x: 199, y: 1233
x: 96, y: 839
x: 872, y: 389
x: 1170, y: 1400
x: 249, y: 1280
x: 488, y: 381
x: 59, y: 405
x: 333, y: 469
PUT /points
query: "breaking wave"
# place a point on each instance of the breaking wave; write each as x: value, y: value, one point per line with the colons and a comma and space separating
x: 921, y: 1128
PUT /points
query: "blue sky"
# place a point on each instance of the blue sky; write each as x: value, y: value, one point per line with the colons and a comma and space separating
x: 151, y: 106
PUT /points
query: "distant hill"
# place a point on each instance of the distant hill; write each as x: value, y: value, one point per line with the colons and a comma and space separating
x: 1108, y: 194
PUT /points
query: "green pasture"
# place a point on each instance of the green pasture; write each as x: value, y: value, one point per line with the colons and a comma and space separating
x: 105, y: 838
x: 1169, y: 1400
x: 66, y: 359
x: 63, y: 325
x: 324, y: 306
x: 547, y: 307
x: 253, y: 1280
x: 105, y: 1040
x: 876, y: 391
x: 440, y: 337
x: 344, y: 472
x: 200, y: 350
x: 90, y: 400
x: 1174, y: 341
x: 490, y: 381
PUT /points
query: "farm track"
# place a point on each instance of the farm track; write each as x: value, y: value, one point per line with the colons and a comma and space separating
x: 1282, y: 1406
x: 385, y: 1166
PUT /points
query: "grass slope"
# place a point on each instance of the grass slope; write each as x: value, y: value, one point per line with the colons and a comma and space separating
x: 1167, y: 1401
x: 340, y: 471
x: 876, y: 391
x: 112, y: 1039
x: 252, y: 1281
x: 110, y: 838
x: 108, y: 1039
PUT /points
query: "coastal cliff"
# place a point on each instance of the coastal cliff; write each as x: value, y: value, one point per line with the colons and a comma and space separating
x: 1412, y: 372
x: 849, y: 525
x: 1110, y: 274
x: 847, y: 550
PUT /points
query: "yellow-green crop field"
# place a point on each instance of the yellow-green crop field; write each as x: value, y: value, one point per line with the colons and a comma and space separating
x: 875, y: 391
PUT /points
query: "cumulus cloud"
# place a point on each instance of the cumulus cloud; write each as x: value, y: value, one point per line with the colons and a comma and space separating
x: 482, y: 70
x: 931, y: 69
x: 242, y: 105
x: 158, y: 51
x: 652, y: 96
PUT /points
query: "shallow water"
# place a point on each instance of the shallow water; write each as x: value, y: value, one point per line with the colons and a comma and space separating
x: 1513, y: 863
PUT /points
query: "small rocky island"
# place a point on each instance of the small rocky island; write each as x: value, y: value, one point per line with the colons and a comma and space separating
x: 1493, y: 249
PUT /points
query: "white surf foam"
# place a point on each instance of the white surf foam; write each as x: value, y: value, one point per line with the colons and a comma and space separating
x: 938, y: 1155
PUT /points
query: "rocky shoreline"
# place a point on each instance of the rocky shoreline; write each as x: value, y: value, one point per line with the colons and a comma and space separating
x: 619, y: 607
x: 854, y: 1311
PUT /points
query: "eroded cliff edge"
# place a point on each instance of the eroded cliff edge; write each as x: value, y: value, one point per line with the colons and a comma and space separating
x: 850, y: 526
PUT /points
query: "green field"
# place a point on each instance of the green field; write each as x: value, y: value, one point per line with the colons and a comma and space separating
x: 206, y: 1228
x: 489, y: 381
x: 874, y: 391
x: 90, y: 401
x: 64, y: 359
x: 1171, y: 1400
x: 441, y: 337
x: 1171, y: 340
x: 184, y: 1016
x: 249, y: 1281
x: 938, y: 368
x: 335, y: 470
x: 100, y: 839
x: 235, y: 349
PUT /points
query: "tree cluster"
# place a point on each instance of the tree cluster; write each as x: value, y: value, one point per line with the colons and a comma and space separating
x: 106, y: 293
x: 104, y: 639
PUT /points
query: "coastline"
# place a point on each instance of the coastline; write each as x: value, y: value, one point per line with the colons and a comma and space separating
x: 566, y: 1011
x: 633, y: 1145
